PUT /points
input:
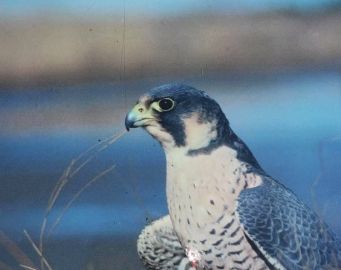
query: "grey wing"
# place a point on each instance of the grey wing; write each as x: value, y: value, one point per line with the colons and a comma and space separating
x: 159, y: 247
x: 284, y: 231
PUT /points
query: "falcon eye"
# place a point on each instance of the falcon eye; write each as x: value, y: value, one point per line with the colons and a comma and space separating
x: 166, y: 104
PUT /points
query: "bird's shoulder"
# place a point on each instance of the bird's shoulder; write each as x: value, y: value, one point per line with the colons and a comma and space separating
x: 284, y: 230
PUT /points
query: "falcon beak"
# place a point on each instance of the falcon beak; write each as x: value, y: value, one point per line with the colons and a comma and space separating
x: 139, y: 116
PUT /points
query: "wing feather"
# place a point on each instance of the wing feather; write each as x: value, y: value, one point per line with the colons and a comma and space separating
x: 287, y: 233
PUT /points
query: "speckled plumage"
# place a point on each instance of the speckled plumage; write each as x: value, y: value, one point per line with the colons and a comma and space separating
x: 159, y: 247
x: 225, y: 211
x: 285, y: 230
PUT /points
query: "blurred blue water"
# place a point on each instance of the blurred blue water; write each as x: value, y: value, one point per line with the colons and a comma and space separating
x: 155, y: 7
x: 291, y: 122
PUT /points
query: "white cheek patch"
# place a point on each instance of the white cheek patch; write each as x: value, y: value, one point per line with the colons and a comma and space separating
x: 199, y: 135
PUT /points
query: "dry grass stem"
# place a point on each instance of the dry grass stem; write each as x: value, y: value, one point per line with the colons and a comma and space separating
x: 37, y: 250
x: 75, y: 197
x: 13, y: 249
x: 27, y: 267
x: 71, y: 170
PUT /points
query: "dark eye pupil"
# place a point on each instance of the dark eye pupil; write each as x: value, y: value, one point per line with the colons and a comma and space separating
x: 166, y: 104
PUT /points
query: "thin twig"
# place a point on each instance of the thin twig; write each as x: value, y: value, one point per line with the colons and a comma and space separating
x: 37, y: 250
x: 71, y: 170
x: 59, y: 185
x: 68, y: 205
x: 27, y: 267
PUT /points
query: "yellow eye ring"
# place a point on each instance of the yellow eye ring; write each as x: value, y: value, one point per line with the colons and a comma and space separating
x: 166, y: 104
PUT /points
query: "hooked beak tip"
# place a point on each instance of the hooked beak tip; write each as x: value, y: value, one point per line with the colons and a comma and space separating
x: 128, y: 122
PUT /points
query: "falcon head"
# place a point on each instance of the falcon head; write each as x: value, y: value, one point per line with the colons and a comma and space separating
x: 180, y: 116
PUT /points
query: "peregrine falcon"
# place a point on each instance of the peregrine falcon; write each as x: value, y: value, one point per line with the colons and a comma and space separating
x: 225, y: 211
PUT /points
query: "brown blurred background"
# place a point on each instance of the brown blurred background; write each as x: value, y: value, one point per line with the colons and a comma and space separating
x: 47, y: 47
x: 71, y: 69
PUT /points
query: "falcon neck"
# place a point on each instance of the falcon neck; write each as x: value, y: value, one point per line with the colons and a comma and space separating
x: 213, y: 140
x: 219, y: 175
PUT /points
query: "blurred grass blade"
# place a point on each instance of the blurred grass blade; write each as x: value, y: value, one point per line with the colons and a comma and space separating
x: 36, y: 249
x: 68, y: 205
x: 13, y: 249
x: 71, y: 170
x: 27, y: 267
x: 4, y: 266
